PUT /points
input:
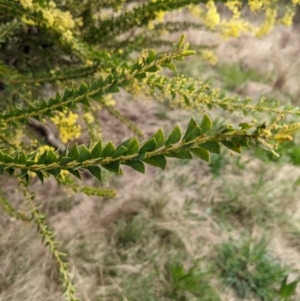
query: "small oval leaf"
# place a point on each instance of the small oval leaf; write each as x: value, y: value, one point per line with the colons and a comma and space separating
x: 109, y: 150
x: 206, y: 124
x: 157, y: 161
x: 211, y: 146
x: 149, y: 146
x: 174, y: 137
x: 136, y: 165
x: 201, y: 153
x: 96, y: 172
x: 97, y: 150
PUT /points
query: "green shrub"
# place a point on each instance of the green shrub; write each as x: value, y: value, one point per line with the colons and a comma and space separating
x: 249, y: 268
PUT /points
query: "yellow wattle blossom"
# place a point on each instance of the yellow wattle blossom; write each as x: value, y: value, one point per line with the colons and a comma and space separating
x: 88, y: 117
x: 296, y: 2
x: 271, y: 14
x: 255, y: 5
x: 160, y: 16
x: 209, y: 56
x: 290, y: 129
x: 109, y: 101
x: 195, y: 10
x: 233, y: 28
x: 150, y: 25
x: 26, y: 3
x: 27, y: 21
x: 42, y: 149
x: 234, y: 6
x: 283, y: 137
x: 287, y: 19
x: 66, y: 123
x: 212, y: 17
x: 59, y: 21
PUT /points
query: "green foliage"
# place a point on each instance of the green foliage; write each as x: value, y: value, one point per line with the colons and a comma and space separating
x: 63, y: 59
x: 233, y: 76
x: 249, y: 268
x: 184, y: 281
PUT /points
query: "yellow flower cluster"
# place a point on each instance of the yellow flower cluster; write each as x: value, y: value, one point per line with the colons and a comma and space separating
x: 195, y: 10
x: 159, y: 16
x: 109, y: 101
x: 233, y: 28
x: 234, y: 6
x: 209, y: 56
x: 59, y: 21
x: 42, y: 149
x: 26, y: 3
x: 270, y: 19
x: 88, y: 117
x: 255, y: 5
x: 287, y: 19
x: 66, y: 123
x: 212, y: 17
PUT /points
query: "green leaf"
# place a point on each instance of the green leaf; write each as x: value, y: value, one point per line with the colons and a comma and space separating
x: 113, y: 166
x: 245, y: 126
x: 140, y: 75
x: 288, y: 290
x: 74, y: 153
x: 96, y: 172
x: 42, y: 158
x: 26, y: 178
x: 151, y: 56
x: 120, y: 151
x: 196, y: 132
x: 186, y: 100
x: 148, y: 146
x: 55, y: 172
x: 51, y: 157
x: 137, y: 165
x: 171, y: 66
x: 10, y: 171
x: 153, y: 69
x: 109, y: 150
x: 75, y: 173
x: 211, y: 146
x: 181, y: 154
x: 174, y: 137
x: 241, y: 140
x: 97, y: 150
x: 40, y: 175
x: 126, y: 143
x: 134, y: 146
x: 24, y: 172
x: 84, y: 153
x: 22, y: 158
x: 113, y: 89
x: 83, y: 88
x: 30, y: 163
x: 140, y: 156
x: 159, y: 138
x: 65, y: 160
x: 233, y: 146
x: 157, y: 161
x: 206, y: 124
x: 191, y: 126
x: 201, y: 153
